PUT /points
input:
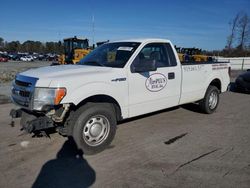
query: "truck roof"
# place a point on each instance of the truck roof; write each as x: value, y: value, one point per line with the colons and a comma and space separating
x: 144, y: 40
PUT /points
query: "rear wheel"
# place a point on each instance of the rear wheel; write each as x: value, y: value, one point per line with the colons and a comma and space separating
x: 211, y: 100
x: 95, y: 127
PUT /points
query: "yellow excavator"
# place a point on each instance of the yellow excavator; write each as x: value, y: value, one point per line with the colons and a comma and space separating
x: 74, y: 50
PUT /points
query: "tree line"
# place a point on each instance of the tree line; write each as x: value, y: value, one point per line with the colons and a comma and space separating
x: 31, y: 46
x: 238, y: 41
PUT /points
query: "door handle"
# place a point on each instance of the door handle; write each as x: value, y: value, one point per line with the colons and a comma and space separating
x: 171, y: 75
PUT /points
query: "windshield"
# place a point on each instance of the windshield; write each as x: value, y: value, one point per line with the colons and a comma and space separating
x: 111, y: 55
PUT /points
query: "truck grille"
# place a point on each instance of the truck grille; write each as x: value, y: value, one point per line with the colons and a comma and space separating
x: 21, y: 83
x: 22, y: 90
x: 24, y: 93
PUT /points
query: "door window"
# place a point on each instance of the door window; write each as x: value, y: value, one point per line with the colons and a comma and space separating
x: 155, y: 52
x: 161, y: 53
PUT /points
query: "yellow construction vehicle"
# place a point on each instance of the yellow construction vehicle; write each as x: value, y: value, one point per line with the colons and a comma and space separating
x: 192, y: 54
x: 198, y: 56
x: 74, y: 50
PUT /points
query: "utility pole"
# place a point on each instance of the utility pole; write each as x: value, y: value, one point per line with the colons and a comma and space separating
x: 93, y: 29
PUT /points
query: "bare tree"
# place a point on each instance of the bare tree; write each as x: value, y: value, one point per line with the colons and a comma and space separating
x: 243, y: 29
x: 233, y: 25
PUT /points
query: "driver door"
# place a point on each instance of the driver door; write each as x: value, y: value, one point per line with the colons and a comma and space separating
x: 154, y: 90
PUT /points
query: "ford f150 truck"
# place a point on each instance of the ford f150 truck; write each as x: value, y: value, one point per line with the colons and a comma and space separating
x: 116, y: 81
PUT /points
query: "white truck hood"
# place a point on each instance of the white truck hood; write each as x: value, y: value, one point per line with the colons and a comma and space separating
x: 61, y: 73
x: 63, y: 70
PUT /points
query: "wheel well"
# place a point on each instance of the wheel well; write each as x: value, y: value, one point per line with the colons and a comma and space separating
x: 103, y: 99
x: 217, y: 83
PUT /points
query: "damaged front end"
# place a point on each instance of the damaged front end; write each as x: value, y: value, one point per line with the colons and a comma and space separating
x: 32, y: 122
x: 40, y: 106
x: 35, y: 122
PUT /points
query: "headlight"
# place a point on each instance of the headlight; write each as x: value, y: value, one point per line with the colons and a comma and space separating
x: 47, y: 96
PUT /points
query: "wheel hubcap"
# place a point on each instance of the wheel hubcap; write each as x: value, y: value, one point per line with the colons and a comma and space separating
x: 213, y: 99
x: 96, y: 130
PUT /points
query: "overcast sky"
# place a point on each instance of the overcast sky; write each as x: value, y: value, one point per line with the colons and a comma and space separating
x: 187, y: 23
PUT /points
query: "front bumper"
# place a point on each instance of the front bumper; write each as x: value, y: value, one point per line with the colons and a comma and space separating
x: 32, y: 122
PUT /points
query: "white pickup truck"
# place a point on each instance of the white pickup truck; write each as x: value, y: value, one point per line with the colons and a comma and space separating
x: 116, y: 81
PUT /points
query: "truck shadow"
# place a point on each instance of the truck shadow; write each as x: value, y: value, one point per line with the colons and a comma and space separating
x: 192, y: 107
x: 69, y: 169
x: 148, y: 115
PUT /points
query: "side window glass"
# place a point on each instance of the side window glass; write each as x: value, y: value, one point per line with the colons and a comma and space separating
x: 154, y: 52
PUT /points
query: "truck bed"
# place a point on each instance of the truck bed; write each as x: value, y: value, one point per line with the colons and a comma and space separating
x: 196, y: 76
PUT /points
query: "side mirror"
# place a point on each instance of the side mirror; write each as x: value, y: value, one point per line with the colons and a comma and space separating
x: 143, y: 66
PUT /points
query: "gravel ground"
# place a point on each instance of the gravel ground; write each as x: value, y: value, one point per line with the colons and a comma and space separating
x: 179, y: 147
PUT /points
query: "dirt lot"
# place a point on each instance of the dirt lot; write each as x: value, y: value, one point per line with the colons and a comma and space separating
x: 180, y: 147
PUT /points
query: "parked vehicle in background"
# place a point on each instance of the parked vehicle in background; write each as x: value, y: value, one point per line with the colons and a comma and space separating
x: 34, y: 57
x: 3, y: 58
x: 242, y: 82
x: 51, y: 57
x: 41, y: 57
x: 27, y: 58
x: 116, y: 81
x: 16, y: 57
x: 10, y: 55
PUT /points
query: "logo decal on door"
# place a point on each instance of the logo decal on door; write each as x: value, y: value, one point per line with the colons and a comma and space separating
x: 156, y: 82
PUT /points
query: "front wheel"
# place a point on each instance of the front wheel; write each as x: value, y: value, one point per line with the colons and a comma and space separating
x: 95, y: 127
x: 211, y: 100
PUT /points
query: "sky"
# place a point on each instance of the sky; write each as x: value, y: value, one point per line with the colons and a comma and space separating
x: 188, y: 23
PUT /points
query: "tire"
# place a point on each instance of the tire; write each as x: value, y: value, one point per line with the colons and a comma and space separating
x: 211, y: 100
x: 95, y: 127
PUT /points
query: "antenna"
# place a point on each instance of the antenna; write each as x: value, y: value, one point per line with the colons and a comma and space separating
x: 59, y: 35
x: 93, y: 22
x: 93, y: 29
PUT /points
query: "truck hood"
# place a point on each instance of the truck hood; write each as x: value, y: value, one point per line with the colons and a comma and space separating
x: 60, y: 71
x: 71, y: 76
